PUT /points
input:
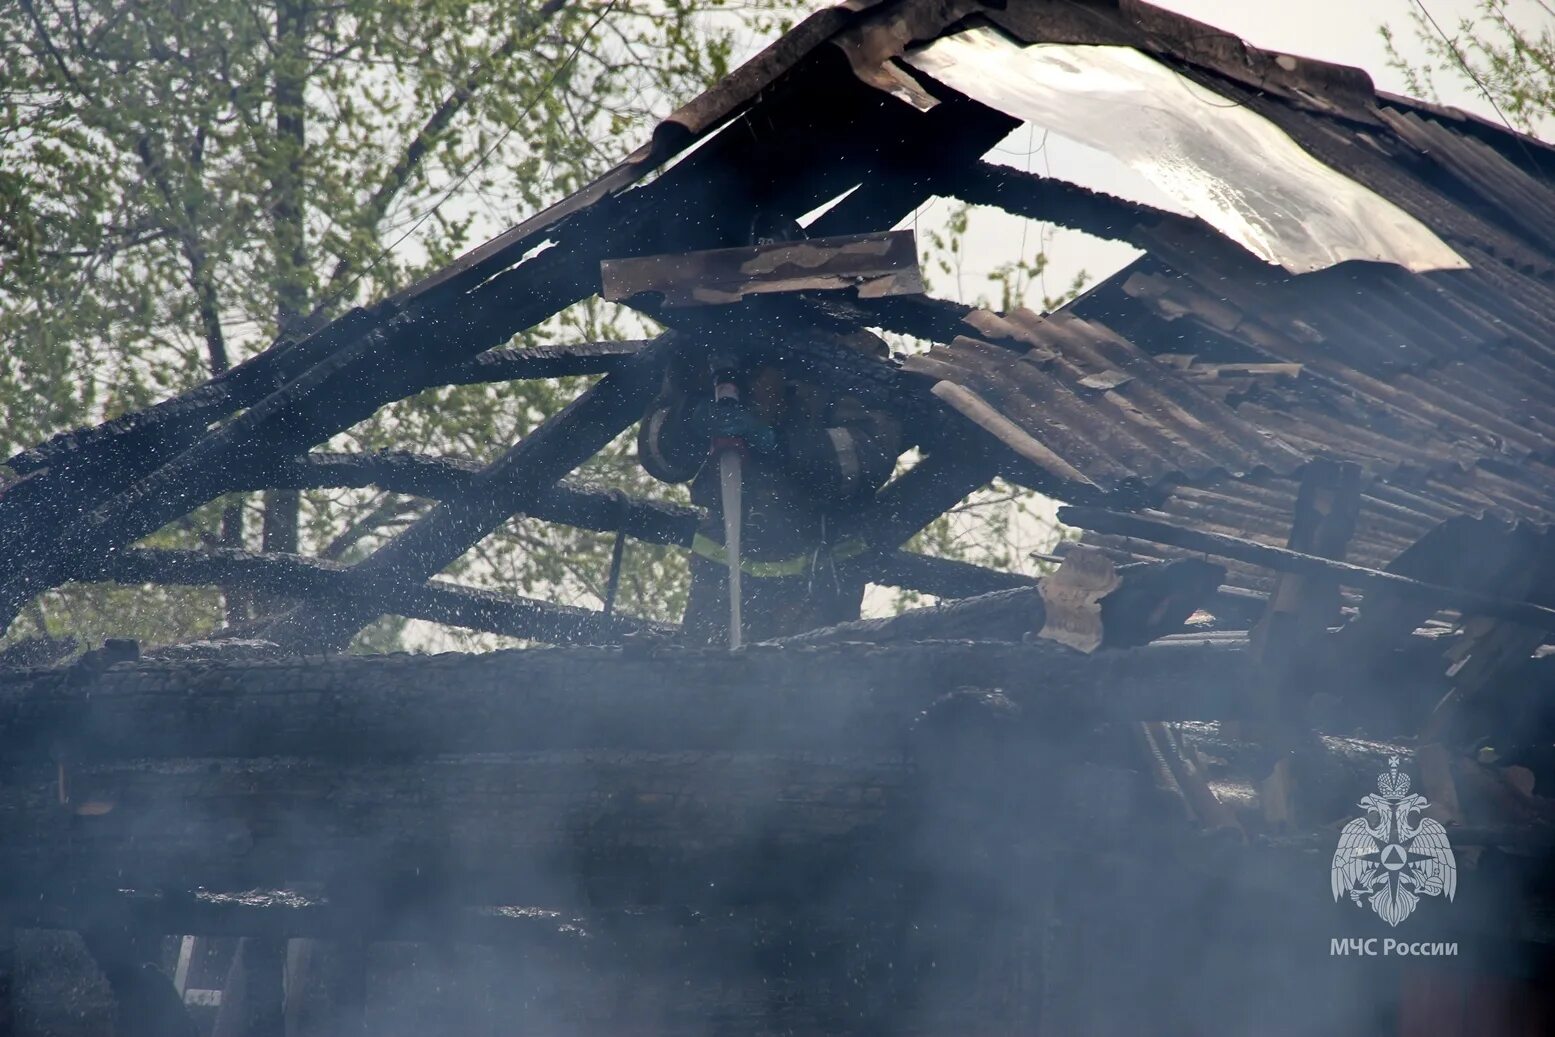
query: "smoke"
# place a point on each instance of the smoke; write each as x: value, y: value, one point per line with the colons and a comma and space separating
x: 821, y: 857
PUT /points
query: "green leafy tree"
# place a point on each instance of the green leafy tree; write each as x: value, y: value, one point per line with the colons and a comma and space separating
x: 182, y: 182
x: 1502, y: 51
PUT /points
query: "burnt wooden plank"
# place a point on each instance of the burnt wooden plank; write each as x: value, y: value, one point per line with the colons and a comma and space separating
x: 503, y: 488
x: 546, y: 361
x: 875, y: 265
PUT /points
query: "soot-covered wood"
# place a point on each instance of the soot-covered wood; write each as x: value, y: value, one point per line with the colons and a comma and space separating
x: 95, y: 490
x: 854, y: 698
x: 511, y: 773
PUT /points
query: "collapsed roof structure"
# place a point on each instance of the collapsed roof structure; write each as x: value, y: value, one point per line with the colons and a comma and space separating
x: 1334, y: 372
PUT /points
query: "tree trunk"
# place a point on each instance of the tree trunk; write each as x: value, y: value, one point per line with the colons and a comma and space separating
x: 289, y: 211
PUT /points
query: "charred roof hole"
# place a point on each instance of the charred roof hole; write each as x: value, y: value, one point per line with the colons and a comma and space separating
x: 1078, y: 249
x: 1224, y: 163
x: 825, y: 207
x: 1036, y: 151
x: 985, y: 255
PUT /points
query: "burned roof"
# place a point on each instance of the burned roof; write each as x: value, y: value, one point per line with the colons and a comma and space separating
x: 1212, y: 383
x: 1201, y: 361
x: 1201, y: 364
x: 1254, y: 336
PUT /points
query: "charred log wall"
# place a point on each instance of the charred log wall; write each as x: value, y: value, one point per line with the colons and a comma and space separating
x: 534, y: 776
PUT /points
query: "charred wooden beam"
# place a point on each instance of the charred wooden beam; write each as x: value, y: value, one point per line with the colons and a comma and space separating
x: 441, y: 478
x: 921, y: 494
x: 1295, y: 623
x: 508, y: 486
x: 920, y: 316
x: 664, y: 699
x: 1069, y: 205
x: 332, y: 585
x: 514, y: 777
x: 910, y: 167
x: 1303, y: 606
x: 1003, y: 615
x: 1283, y: 560
x: 1149, y: 600
x: 546, y: 361
x: 941, y: 577
x: 653, y: 522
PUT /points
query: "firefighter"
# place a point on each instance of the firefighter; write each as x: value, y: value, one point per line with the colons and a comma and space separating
x: 813, y: 453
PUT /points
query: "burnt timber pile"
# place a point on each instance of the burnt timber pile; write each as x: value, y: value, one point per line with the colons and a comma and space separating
x: 1311, y: 453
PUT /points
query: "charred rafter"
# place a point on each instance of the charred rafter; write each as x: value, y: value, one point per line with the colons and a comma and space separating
x: 508, y: 486
x: 442, y: 478
x: 1069, y: 205
x: 129, y: 480
x: 547, y: 361
x: 660, y: 522
x: 336, y: 586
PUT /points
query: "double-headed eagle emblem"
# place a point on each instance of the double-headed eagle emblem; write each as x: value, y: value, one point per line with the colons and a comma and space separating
x: 1388, y: 860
